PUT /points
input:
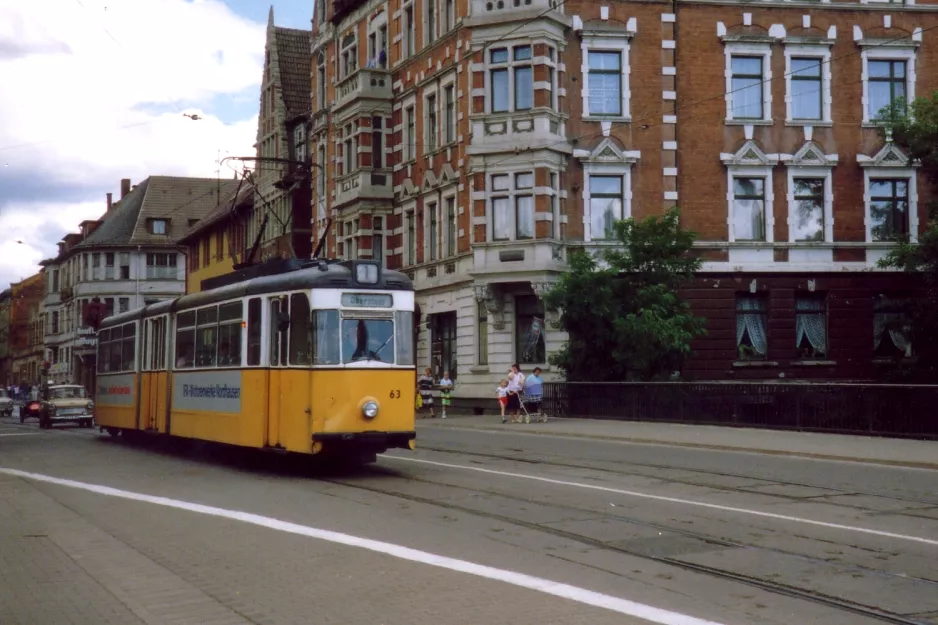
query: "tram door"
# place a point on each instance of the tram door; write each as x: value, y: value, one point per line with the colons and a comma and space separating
x: 288, y: 415
x: 278, y: 336
x: 153, y: 400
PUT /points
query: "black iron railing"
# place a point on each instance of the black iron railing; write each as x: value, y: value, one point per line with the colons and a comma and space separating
x: 865, y: 409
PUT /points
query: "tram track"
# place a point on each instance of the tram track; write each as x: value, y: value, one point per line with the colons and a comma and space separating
x: 762, y: 583
x: 925, y: 503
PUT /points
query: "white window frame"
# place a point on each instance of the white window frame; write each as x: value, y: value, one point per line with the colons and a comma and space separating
x: 874, y: 173
x: 449, y: 82
x: 408, y: 209
x: 445, y: 196
x: 610, y: 170
x: 510, y: 65
x: 822, y: 52
x: 299, y: 142
x: 825, y: 173
x: 408, y: 32
x: 431, y: 31
x: 408, y: 149
x: 322, y: 153
x: 764, y: 50
x: 348, y: 56
x: 605, y: 169
x: 904, y: 52
x: 553, y: 178
x: 431, y: 140
x: 751, y: 171
x: 606, y: 42
x: 432, y: 208
x: 512, y: 193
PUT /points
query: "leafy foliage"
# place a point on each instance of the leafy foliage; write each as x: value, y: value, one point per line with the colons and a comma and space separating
x: 915, y: 128
x: 624, y: 317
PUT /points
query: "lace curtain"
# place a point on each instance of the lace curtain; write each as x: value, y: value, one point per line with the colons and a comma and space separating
x: 810, y: 323
x: 893, y: 324
x: 752, y: 323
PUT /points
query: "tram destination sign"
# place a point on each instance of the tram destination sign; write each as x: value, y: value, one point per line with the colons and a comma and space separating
x: 367, y: 300
x: 208, y: 391
x: 114, y: 390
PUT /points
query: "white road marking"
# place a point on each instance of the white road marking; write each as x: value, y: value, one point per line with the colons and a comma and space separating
x: 18, y: 434
x: 565, y: 591
x: 686, y: 502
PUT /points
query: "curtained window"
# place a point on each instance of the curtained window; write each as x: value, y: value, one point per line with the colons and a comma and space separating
x: 892, y: 332
x: 751, y: 327
x: 811, y: 325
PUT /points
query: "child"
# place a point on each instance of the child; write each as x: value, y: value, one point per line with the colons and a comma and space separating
x: 446, y: 390
x: 502, y: 393
x: 425, y: 383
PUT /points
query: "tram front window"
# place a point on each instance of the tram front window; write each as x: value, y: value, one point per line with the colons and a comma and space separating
x: 368, y: 339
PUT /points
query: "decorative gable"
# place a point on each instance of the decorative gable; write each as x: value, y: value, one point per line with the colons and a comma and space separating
x: 749, y: 155
x: 810, y: 155
x: 447, y: 174
x: 429, y: 180
x: 890, y: 155
x: 607, y: 152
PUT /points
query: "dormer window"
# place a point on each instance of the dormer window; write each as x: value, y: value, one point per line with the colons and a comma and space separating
x: 159, y: 226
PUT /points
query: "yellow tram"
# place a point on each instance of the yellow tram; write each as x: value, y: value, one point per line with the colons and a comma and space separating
x: 317, y: 359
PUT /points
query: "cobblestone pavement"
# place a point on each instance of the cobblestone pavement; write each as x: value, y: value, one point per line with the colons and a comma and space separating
x: 72, y: 556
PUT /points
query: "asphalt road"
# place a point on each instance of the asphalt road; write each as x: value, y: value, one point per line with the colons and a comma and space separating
x: 474, y: 527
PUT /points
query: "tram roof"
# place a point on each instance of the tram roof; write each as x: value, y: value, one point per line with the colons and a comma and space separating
x: 324, y: 275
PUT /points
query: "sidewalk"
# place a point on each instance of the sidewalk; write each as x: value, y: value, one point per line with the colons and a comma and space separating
x: 887, y: 451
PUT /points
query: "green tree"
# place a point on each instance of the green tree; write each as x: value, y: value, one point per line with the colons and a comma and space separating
x: 624, y: 316
x: 915, y: 129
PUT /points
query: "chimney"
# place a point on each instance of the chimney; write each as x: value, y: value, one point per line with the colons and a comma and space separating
x: 109, y: 202
x: 125, y: 187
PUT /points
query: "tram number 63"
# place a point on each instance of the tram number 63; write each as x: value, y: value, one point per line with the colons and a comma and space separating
x: 395, y: 394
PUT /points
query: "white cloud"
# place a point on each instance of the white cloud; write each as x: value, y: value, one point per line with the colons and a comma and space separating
x: 81, y: 82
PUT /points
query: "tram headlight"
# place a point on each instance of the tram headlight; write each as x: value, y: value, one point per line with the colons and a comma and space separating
x: 370, y: 409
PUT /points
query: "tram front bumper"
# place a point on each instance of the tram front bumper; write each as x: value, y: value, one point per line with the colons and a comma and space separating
x: 366, y: 440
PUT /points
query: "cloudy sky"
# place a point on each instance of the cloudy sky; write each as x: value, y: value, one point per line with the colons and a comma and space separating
x: 95, y: 90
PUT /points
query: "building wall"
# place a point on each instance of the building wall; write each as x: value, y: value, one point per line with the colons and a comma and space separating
x: 208, y: 257
x: 26, y: 328
x: 671, y: 144
x: 849, y: 37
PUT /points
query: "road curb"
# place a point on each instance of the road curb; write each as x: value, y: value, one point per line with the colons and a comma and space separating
x: 649, y: 441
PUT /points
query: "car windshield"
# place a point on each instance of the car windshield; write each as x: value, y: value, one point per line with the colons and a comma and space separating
x: 4, y: 393
x: 69, y: 392
x: 368, y: 339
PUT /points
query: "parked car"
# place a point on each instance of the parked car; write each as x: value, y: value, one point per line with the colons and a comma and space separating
x: 6, y: 403
x: 30, y: 409
x: 67, y: 403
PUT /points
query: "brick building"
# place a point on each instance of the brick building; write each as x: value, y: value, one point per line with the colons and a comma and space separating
x: 26, y: 351
x: 282, y: 223
x: 474, y: 143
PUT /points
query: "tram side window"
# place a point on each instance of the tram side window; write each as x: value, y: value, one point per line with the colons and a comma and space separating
x: 404, y: 337
x: 158, y: 353
x: 206, y: 336
x: 128, y: 345
x: 104, y: 344
x: 299, y: 330
x: 229, y: 335
x: 254, y: 332
x: 185, y: 340
x: 279, y: 312
x: 325, y: 337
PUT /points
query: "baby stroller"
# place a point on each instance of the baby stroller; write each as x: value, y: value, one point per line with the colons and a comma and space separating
x: 531, y: 405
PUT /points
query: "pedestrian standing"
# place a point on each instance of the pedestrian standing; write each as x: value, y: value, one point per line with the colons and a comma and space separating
x: 425, y: 383
x: 502, y: 393
x: 515, y: 384
x: 446, y: 393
